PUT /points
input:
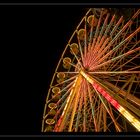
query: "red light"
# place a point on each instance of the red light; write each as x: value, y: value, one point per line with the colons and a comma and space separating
x: 95, y: 85
x: 107, y: 96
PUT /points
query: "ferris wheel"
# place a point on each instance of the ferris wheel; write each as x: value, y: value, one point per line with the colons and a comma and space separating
x: 96, y: 84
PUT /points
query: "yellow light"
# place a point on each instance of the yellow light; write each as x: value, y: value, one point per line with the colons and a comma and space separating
x: 69, y: 96
x: 129, y: 117
x: 87, y: 77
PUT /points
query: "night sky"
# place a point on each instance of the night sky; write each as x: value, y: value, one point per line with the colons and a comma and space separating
x: 32, y: 41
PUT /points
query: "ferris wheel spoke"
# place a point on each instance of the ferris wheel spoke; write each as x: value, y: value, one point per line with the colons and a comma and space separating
x: 134, y: 68
x: 122, y: 101
x: 114, y: 72
x: 65, y: 81
x: 116, y: 26
x: 60, y: 109
x: 85, y: 37
x: 74, y: 106
x: 73, y: 65
x: 104, y: 120
x: 101, y: 35
x: 106, y: 31
x: 92, y: 60
x: 79, y: 111
x: 124, y: 81
x: 66, y: 87
x: 92, y: 50
x: 110, y: 24
x: 125, y: 54
x: 130, y: 97
x: 129, y: 23
x: 113, y: 114
x: 92, y: 46
x: 115, y: 53
x: 91, y: 33
x: 99, y: 42
x: 77, y: 58
x: 130, y: 86
x: 119, y: 115
x: 100, y: 116
x: 85, y: 106
x: 115, y: 123
x: 115, y: 64
x: 116, y: 58
x: 117, y: 36
x: 80, y: 48
x: 97, y: 31
x: 59, y: 93
x: 121, y: 43
x: 92, y: 107
x: 100, y: 52
x: 70, y: 72
x: 64, y: 96
x: 125, y: 34
x: 97, y: 46
x: 128, y: 79
x: 124, y: 63
x: 90, y: 39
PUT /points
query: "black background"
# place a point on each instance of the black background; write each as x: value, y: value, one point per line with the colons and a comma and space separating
x: 31, y: 43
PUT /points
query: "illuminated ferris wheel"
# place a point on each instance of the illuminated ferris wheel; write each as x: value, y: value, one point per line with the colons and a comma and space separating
x: 96, y: 84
